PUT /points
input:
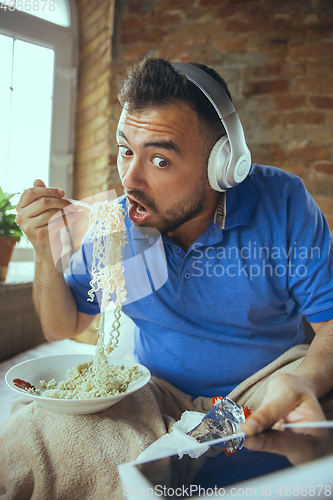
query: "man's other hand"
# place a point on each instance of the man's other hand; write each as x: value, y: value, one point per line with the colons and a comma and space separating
x: 289, y: 398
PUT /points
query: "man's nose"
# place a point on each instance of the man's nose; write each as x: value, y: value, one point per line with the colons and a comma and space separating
x: 132, y: 174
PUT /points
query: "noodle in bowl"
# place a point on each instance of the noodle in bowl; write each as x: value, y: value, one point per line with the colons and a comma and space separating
x: 77, y: 383
x: 57, y: 367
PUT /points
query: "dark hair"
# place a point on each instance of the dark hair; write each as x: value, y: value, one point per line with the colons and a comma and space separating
x: 154, y: 82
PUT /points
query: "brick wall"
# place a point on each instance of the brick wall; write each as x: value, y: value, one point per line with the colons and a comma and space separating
x: 92, y: 172
x: 276, y: 56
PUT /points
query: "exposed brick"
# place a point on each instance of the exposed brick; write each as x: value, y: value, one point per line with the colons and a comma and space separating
x: 267, y: 87
x: 93, y: 11
x: 284, y: 102
x: 228, y: 43
x: 329, y: 118
x: 83, y: 143
x: 87, y: 10
x: 139, y: 8
x: 133, y: 23
x: 311, y: 51
x: 262, y: 41
x: 321, y: 67
x: 94, y: 97
x: 85, y: 168
x: 102, y: 134
x: 310, y: 153
x: 81, y: 4
x: 259, y: 72
x: 152, y: 36
x: 97, y: 182
x: 322, y: 135
x: 101, y: 62
x: 86, y: 115
x: 102, y: 162
x: 322, y: 102
x: 102, y: 106
x: 275, y: 118
x: 320, y: 184
x: 135, y: 53
x: 213, y: 3
x: 295, y: 168
x: 275, y: 56
x: 226, y: 12
x: 89, y: 127
x: 116, y: 186
x: 180, y: 4
x: 174, y: 49
x: 97, y: 46
x: 313, y: 86
x: 193, y: 31
x: 165, y: 20
x: 94, y: 152
x: 86, y: 89
x: 293, y: 70
x: 324, y: 168
x: 87, y: 35
x: 237, y: 27
x: 306, y: 118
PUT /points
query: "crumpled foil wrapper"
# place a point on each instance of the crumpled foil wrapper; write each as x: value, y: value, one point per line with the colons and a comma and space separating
x: 223, y: 420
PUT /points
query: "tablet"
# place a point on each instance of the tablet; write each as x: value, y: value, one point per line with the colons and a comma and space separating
x: 274, y: 464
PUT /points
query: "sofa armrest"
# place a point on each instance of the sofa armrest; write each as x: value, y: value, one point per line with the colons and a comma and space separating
x: 20, y: 328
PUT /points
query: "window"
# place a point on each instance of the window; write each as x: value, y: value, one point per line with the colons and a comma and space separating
x: 38, y: 57
x: 26, y: 94
x: 56, y: 12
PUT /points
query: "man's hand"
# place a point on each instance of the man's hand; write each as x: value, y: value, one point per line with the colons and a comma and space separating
x: 34, y: 211
x: 289, y: 398
x: 297, y: 448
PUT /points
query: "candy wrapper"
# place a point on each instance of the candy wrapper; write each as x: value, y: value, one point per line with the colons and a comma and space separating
x: 223, y: 420
x: 190, y: 435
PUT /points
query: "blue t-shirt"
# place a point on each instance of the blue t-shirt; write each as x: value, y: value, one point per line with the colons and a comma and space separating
x: 234, y: 302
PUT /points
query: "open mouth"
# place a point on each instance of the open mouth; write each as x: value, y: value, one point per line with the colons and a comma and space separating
x: 137, y: 212
x: 140, y: 209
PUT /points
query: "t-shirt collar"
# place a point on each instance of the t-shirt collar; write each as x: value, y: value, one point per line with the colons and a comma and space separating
x: 236, y: 205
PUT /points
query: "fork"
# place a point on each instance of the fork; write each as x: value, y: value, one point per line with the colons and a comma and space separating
x: 80, y: 203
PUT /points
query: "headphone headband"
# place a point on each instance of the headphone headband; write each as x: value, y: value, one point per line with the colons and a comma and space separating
x: 239, y: 158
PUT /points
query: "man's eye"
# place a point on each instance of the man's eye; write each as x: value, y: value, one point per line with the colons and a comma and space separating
x: 124, y: 151
x: 160, y: 162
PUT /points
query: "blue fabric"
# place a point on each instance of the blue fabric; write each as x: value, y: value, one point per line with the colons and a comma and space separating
x: 234, y: 302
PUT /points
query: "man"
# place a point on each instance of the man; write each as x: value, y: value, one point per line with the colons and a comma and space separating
x: 218, y: 319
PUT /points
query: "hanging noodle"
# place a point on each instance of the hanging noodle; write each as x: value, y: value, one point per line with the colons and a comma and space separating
x: 96, y: 378
x: 107, y: 231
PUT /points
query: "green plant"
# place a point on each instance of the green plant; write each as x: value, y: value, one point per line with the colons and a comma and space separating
x: 8, y: 226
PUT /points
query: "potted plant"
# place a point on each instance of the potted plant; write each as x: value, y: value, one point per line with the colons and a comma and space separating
x: 10, y: 232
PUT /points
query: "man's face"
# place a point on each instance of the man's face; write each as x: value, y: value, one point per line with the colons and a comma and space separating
x: 162, y: 166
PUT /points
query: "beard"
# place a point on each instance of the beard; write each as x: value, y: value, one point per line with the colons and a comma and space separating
x: 183, y: 211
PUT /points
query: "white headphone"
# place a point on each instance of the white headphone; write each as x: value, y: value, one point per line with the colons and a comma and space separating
x: 230, y: 159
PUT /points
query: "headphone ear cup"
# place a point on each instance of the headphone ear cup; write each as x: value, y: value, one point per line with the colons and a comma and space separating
x: 218, y: 162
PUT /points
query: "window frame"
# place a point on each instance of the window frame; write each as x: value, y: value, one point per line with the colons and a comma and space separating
x: 64, y: 42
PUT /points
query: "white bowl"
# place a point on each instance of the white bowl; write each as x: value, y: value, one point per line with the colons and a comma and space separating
x: 56, y: 367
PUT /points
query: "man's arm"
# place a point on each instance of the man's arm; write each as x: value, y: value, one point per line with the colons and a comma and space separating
x: 55, y: 304
x: 294, y: 397
x: 53, y: 299
x: 317, y: 365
